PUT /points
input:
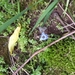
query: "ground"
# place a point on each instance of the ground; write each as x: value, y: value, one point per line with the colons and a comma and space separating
x: 55, y: 60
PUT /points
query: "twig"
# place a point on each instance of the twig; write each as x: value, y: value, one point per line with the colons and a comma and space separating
x: 66, y: 14
x: 11, y: 70
x: 41, y: 50
x: 24, y: 70
x: 67, y: 26
x: 69, y: 18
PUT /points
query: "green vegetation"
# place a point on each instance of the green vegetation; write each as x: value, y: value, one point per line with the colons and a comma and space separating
x: 58, y: 59
x: 3, y: 67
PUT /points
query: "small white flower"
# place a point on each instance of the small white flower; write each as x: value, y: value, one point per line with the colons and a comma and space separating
x: 43, y: 36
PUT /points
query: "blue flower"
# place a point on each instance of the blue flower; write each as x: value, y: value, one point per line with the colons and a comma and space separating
x: 43, y: 36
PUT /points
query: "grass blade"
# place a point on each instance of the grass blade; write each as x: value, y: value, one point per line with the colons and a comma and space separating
x: 67, y: 3
x: 18, y: 6
x: 47, y: 16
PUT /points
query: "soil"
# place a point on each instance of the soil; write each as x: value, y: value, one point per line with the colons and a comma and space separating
x: 4, y: 49
x: 57, y: 17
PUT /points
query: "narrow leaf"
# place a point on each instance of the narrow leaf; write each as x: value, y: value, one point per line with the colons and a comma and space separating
x: 47, y: 16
